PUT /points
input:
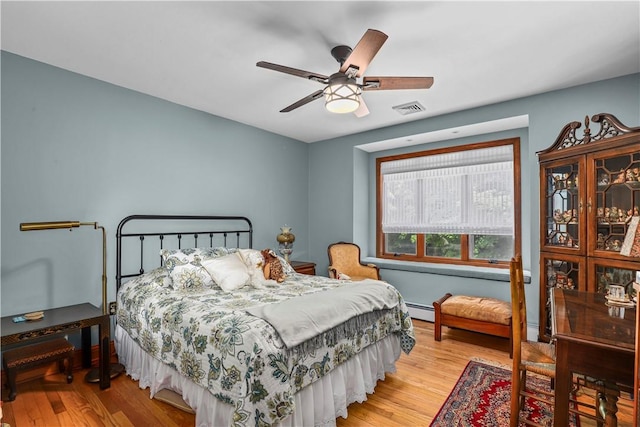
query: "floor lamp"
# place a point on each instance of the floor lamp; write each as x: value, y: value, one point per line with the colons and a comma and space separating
x: 116, y: 369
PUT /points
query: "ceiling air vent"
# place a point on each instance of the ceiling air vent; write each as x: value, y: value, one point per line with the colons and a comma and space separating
x: 409, y: 108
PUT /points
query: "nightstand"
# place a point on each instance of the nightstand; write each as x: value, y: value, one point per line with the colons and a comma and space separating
x: 304, y: 267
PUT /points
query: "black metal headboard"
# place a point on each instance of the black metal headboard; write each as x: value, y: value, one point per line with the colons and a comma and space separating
x: 174, y: 232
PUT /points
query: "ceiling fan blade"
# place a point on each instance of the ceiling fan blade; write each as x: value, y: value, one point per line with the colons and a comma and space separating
x: 294, y: 72
x: 362, y: 109
x: 393, y: 83
x: 315, y: 95
x: 364, y: 51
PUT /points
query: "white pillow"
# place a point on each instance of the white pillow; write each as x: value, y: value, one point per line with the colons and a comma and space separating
x: 252, y: 258
x: 255, y: 263
x: 229, y: 272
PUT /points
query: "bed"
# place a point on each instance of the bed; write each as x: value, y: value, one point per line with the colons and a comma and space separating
x: 239, y: 349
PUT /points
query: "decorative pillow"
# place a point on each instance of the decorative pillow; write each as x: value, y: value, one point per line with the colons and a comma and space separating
x: 273, y: 269
x: 188, y: 276
x: 160, y: 276
x: 185, y: 268
x: 229, y: 272
x: 286, y: 267
x: 195, y: 254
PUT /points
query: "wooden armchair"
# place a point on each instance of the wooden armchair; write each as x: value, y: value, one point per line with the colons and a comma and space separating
x: 344, y: 259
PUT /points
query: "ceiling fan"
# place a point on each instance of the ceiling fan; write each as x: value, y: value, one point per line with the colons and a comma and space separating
x: 342, y: 91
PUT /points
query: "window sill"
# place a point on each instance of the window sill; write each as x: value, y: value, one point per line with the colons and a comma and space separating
x: 498, y: 274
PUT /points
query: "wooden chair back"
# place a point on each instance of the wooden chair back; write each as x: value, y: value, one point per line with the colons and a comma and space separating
x: 518, y: 301
x: 519, y: 332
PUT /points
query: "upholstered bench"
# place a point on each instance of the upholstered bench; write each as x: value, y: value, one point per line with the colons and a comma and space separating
x: 478, y: 314
x: 33, y: 355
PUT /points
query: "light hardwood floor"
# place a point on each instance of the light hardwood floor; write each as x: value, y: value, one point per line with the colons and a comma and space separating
x: 411, y: 396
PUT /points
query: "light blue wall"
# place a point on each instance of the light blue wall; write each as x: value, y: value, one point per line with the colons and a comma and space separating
x: 74, y: 148
x: 332, y: 179
x: 80, y: 149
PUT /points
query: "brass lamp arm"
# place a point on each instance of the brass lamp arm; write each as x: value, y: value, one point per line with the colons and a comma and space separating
x: 52, y: 225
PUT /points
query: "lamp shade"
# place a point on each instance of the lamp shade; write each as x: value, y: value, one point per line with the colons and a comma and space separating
x: 342, y: 95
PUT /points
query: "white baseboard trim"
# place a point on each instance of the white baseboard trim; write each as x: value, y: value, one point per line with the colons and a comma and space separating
x: 421, y: 311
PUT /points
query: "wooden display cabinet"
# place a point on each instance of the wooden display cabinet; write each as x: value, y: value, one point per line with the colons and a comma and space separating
x: 589, y: 194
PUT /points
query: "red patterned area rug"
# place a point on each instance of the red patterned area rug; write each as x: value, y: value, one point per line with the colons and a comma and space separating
x: 481, y: 398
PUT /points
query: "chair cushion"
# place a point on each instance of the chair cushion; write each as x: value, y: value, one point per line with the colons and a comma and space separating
x: 479, y: 308
x: 539, y: 357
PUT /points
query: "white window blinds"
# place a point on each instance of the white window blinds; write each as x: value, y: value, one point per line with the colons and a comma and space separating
x: 464, y: 192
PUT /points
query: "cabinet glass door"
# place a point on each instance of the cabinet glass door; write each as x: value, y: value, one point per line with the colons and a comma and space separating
x: 562, y: 208
x: 617, y: 200
x: 558, y: 272
x: 605, y: 272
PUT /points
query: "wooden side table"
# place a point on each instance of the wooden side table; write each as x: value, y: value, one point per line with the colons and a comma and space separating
x: 61, y: 320
x: 304, y: 267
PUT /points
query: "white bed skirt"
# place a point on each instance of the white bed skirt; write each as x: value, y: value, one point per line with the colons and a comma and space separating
x: 318, y: 404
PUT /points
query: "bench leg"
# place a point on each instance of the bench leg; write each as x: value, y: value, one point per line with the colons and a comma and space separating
x: 66, y: 368
x: 437, y: 328
x: 11, y: 383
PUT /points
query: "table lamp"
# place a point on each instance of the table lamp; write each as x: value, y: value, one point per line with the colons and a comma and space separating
x: 285, y: 241
x: 116, y: 369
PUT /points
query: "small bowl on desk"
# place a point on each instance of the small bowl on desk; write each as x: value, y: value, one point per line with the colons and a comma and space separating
x: 36, y: 315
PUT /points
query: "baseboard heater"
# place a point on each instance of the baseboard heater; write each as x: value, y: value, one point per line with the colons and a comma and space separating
x: 421, y: 311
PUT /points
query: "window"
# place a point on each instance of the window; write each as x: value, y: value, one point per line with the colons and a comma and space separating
x: 458, y: 205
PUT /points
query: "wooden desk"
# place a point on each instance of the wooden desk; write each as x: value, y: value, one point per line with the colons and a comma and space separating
x: 65, y: 319
x: 590, y: 342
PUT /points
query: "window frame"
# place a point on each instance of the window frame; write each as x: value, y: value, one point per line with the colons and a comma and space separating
x: 464, y: 238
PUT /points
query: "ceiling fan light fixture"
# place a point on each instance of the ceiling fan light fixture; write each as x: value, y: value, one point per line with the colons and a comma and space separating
x: 341, y: 91
x: 342, y: 95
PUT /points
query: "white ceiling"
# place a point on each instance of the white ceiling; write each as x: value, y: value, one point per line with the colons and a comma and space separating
x: 202, y: 54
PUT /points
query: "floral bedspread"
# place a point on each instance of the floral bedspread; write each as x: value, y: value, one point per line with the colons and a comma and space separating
x: 206, y: 335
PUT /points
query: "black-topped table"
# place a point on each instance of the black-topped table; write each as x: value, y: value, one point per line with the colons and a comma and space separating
x: 65, y: 319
